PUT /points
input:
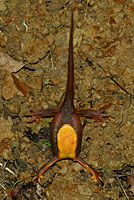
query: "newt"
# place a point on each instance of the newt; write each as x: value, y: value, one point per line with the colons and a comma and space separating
x: 66, y: 127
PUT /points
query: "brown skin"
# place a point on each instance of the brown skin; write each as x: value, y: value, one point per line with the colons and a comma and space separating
x: 67, y: 115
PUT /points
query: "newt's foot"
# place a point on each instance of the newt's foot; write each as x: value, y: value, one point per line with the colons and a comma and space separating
x: 38, y: 177
x: 99, y: 115
x: 96, y: 177
x: 36, y: 116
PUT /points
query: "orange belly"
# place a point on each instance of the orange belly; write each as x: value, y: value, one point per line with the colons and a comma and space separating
x: 67, y: 142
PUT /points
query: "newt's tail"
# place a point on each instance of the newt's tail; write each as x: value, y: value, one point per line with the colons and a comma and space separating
x: 69, y: 96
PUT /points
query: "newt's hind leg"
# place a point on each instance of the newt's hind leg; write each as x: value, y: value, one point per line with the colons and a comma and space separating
x: 45, y: 167
x: 95, y: 175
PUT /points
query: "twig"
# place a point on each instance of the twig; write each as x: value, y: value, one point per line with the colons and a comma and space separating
x: 7, y: 169
x: 51, y: 58
x: 3, y: 187
x: 118, y: 84
x: 111, y: 77
x: 122, y: 187
x: 24, y: 24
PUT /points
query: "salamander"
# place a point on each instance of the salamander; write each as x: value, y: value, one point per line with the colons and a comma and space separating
x: 66, y: 127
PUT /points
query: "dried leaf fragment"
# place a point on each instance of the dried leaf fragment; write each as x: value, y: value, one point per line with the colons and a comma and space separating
x: 9, y: 64
x: 9, y: 90
x: 20, y: 85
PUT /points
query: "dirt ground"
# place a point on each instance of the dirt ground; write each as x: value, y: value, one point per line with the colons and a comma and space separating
x: 36, y: 32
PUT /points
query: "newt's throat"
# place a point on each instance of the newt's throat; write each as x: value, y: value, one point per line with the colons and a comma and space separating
x: 67, y: 142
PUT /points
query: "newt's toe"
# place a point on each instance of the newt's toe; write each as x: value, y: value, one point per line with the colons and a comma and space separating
x: 96, y: 177
x: 38, y: 177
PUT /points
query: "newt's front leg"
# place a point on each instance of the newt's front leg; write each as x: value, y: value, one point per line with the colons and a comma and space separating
x: 97, y: 115
x: 37, y: 115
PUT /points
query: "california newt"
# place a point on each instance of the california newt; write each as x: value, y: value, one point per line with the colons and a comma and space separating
x: 66, y: 127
